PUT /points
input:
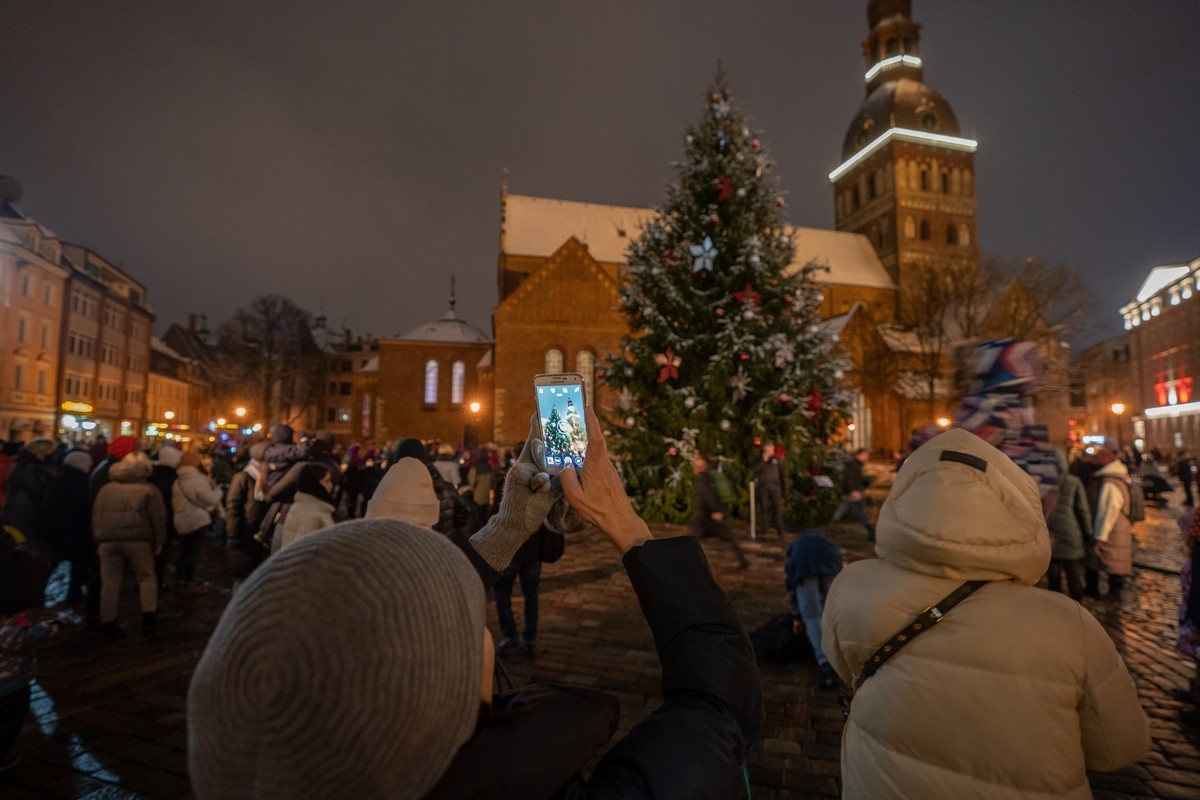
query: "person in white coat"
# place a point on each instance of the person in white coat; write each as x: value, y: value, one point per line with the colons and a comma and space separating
x: 1112, y: 529
x: 312, y: 509
x: 194, y: 501
x: 1014, y: 692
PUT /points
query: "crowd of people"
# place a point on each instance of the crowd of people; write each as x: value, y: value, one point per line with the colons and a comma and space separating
x: 429, y: 532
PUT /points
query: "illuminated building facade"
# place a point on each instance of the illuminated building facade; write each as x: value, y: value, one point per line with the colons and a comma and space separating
x: 1164, y: 337
x: 907, y: 178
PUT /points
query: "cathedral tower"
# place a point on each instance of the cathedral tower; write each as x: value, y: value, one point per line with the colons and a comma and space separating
x: 907, y: 179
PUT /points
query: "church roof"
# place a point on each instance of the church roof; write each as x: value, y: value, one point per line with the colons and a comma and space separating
x: 536, y: 226
x: 903, y: 103
x: 449, y: 330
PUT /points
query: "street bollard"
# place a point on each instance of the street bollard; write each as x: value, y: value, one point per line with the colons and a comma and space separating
x: 753, y: 527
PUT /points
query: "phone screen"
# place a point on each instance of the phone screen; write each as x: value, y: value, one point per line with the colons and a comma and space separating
x: 564, y: 429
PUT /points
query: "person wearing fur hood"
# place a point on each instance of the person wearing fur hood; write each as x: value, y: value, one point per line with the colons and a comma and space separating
x: 1112, y: 530
x: 129, y: 523
x: 1015, y: 692
x: 194, y: 498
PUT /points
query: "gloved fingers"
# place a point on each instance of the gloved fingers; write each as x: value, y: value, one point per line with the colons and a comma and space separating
x: 534, y: 451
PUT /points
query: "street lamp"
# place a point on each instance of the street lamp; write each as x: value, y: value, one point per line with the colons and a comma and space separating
x: 168, y: 415
x: 1118, y: 409
x: 240, y: 411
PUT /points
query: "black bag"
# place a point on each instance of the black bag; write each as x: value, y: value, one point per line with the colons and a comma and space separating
x: 553, y: 545
x: 775, y: 641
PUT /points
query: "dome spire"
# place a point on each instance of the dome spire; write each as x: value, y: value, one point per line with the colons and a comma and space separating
x: 892, y: 48
x: 450, y: 314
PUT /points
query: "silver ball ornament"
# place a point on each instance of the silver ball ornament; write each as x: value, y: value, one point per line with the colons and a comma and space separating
x: 726, y: 424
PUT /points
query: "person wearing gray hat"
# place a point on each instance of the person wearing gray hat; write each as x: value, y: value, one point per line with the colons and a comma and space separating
x: 380, y: 686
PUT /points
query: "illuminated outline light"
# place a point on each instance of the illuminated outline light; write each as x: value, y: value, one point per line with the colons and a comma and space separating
x: 894, y: 61
x: 1172, y: 411
x: 903, y: 135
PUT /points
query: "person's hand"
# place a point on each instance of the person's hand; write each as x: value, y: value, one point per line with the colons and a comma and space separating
x: 856, y: 496
x: 595, y: 491
x: 527, y: 501
x: 718, y: 516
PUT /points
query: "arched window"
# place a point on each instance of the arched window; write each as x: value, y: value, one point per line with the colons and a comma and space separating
x: 924, y: 180
x: 951, y: 234
x: 924, y: 230
x: 893, y: 47
x: 945, y: 183
x: 458, y: 377
x: 964, y: 234
x: 585, y: 365
x: 431, y: 380
x: 913, y: 180
x: 910, y: 228
x: 554, y: 360
x: 857, y: 198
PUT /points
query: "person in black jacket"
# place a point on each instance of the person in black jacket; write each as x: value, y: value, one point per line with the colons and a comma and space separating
x: 709, y: 515
x: 420, y: 718
x: 854, y: 484
x: 770, y: 491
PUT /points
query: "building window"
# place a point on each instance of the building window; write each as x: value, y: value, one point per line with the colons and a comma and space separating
x: 951, y: 234
x: 924, y: 180
x: 26, y: 284
x: 431, y: 380
x: 458, y: 377
x: 945, y: 183
x: 48, y: 295
x: 18, y: 377
x: 910, y: 228
x: 585, y: 365
x: 964, y: 234
x: 343, y: 415
x: 41, y: 381
x: 554, y: 360
x: 924, y: 230
x: 330, y: 415
x: 45, y: 336
x: 344, y: 389
x: 22, y: 329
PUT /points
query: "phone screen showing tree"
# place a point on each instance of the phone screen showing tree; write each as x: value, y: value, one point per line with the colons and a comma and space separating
x: 564, y: 431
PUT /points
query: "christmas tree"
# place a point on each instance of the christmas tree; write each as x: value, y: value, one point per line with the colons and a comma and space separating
x: 725, y: 351
x: 557, y: 442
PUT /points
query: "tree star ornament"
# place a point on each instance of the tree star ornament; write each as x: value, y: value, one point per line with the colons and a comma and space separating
x: 668, y: 364
x: 740, y: 383
x: 724, y: 189
x: 703, y: 255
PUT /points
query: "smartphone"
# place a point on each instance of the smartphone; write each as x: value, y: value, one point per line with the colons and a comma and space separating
x: 560, y: 403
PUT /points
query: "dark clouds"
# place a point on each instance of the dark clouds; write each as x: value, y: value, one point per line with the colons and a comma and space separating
x: 352, y: 152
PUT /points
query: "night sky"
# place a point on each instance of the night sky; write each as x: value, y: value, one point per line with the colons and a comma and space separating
x: 352, y: 153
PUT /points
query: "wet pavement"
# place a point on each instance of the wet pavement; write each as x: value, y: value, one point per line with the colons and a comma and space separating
x: 110, y: 717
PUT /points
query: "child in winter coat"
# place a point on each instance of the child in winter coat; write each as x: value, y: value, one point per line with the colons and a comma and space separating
x: 22, y: 577
x: 312, y: 508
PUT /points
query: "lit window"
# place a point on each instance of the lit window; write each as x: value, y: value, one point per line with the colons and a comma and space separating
x: 554, y: 360
x: 431, y: 381
x: 458, y: 375
x: 585, y: 365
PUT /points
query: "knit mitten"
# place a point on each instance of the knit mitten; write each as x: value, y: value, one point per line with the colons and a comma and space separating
x: 527, y: 501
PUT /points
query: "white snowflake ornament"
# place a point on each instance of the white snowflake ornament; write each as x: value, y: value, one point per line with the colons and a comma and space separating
x: 703, y: 255
x: 740, y: 384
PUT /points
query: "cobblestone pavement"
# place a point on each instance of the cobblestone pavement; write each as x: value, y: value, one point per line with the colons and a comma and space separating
x: 110, y: 720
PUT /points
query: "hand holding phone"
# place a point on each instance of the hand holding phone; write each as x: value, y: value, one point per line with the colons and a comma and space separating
x: 561, y: 404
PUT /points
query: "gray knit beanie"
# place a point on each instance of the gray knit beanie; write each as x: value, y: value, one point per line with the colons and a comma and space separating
x: 348, y: 665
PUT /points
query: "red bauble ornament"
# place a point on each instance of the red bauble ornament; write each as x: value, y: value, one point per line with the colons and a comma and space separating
x: 714, y: 219
x: 668, y: 258
x: 724, y: 189
x: 744, y: 356
x: 756, y: 144
x: 815, y: 401
x: 783, y: 398
x: 720, y: 312
x: 787, y: 298
x: 672, y: 452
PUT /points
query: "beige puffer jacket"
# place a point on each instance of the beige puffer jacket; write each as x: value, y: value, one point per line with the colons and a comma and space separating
x: 129, y: 508
x: 1017, y: 690
x: 194, y: 498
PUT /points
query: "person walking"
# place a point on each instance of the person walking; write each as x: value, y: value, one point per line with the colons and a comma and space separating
x: 195, y: 500
x: 28, y: 491
x: 129, y: 523
x: 854, y: 486
x: 526, y: 566
x: 1013, y: 691
x: 69, y: 519
x: 1185, y: 469
x: 1112, y: 532
x: 709, y: 514
x: 244, y: 507
x: 769, y: 489
x: 1069, y: 523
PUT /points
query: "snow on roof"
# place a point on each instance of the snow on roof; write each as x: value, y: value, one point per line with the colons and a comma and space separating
x: 537, y: 226
x: 158, y: 345
x: 371, y: 365
x: 487, y: 359
x: 1160, y: 278
x: 448, y: 329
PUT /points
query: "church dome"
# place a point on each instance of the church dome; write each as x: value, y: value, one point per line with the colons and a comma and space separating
x: 449, y: 329
x: 902, y: 103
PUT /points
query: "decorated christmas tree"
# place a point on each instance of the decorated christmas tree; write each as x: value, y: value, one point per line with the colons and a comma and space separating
x: 557, y: 441
x: 725, y: 349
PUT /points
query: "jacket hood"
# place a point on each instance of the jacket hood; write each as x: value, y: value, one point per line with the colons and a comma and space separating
x: 170, y: 456
x: 1115, y: 469
x: 132, y: 468
x: 962, y: 509
x: 282, y: 434
x: 406, y: 493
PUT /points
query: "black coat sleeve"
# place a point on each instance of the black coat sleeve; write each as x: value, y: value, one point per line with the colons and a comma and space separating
x: 693, y: 744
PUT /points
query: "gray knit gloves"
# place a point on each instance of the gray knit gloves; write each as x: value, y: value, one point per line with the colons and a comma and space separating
x: 527, y: 501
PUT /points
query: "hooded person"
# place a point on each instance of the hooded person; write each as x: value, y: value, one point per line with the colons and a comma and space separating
x: 129, y: 523
x: 28, y: 492
x: 406, y: 493
x: 283, y: 703
x: 69, y: 519
x: 117, y: 449
x: 163, y: 478
x: 453, y: 513
x: 312, y: 507
x: 1112, y: 532
x: 1015, y: 692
